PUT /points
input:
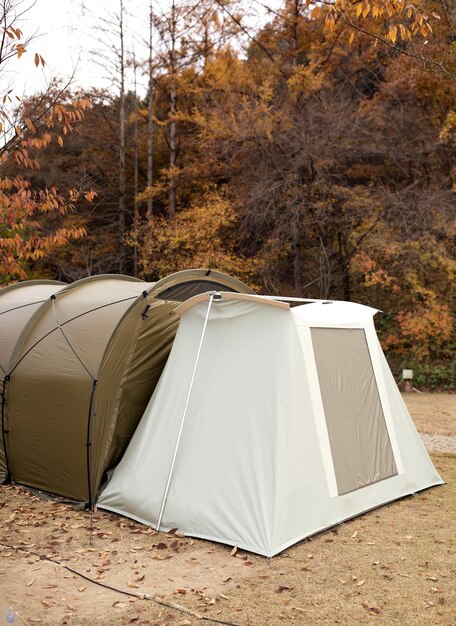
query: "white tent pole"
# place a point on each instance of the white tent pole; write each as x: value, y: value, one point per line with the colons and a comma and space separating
x: 286, y: 299
x: 184, y: 415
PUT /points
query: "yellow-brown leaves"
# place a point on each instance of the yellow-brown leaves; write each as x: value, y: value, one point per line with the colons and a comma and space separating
x: 20, y: 49
x: 196, y: 237
x: 392, y: 33
x: 383, y: 19
x: 39, y: 60
x: 13, y: 32
x: 305, y: 81
x: 16, y: 34
x: 30, y: 125
x: 448, y: 131
x: 82, y: 103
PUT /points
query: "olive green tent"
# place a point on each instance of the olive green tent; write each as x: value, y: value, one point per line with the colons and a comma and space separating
x: 82, y: 372
x: 18, y: 303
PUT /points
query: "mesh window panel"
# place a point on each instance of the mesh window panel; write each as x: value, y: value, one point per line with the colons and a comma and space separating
x: 358, y: 436
x: 184, y: 291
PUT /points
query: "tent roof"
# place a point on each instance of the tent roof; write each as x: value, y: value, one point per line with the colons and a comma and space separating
x: 91, y: 279
x: 106, y: 291
x: 94, y: 294
x: 29, y: 283
x: 178, y: 286
x: 18, y: 303
x: 228, y: 295
x: 26, y: 293
x: 321, y: 313
x: 336, y: 313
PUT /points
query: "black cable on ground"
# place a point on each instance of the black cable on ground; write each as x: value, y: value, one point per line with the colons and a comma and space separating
x: 134, y: 594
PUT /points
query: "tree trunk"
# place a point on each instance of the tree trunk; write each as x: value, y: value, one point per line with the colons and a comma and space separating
x: 150, y: 125
x: 297, y: 256
x: 122, y: 208
x: 172, y: 111
x: 344, y: 264
x: 346, y: 279
x: 172, y: 152
x: 136, y: 218
x: 324, y: 280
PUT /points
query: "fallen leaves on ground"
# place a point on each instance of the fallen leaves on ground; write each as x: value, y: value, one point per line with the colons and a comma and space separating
x: 283, y: 588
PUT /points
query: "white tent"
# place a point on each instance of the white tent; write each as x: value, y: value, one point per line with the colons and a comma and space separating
x: 268, y: 425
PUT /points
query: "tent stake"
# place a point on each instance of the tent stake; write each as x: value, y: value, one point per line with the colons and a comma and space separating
x: 187, y: 401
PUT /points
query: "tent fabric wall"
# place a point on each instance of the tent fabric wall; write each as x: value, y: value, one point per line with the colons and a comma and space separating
x: 254, y: 467
x: 18, y: 303
x: 82, y: 373
x: 52, y: 372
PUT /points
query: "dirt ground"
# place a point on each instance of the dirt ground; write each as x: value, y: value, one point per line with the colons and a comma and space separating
x: 394, y: 565
x: 433, y: 412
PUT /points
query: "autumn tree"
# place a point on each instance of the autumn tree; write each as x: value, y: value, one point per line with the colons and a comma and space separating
x: 92, y: 153
x: 412, y: 254
x: 283, y: 130
x: 311, y: 155
x: 188, y: 33
x: 201, y: 235
x: 28, y: 128
x: 111, y: 54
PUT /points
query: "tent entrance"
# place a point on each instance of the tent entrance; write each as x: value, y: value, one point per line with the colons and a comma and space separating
x: 358, y: 436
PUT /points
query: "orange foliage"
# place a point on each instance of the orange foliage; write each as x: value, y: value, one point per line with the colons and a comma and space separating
x: 424, y: 331
x: 371, y: 274
x: 20, y: 238
x: 26, y: 131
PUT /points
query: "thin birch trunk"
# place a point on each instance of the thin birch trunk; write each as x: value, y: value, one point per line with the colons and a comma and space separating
x: 173, y: 109
x: 136, y: 219
x: 150, y: 126
x: 122, y: 207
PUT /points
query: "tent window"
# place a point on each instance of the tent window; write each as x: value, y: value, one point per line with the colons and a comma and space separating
x: 184, y: 291
x: 360, y: 445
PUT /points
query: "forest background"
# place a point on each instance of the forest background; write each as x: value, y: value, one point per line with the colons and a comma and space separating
x: 307, y: 149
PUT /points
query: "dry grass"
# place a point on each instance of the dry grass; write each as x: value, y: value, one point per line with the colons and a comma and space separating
x: 433, y: 413
x: 395, y: 565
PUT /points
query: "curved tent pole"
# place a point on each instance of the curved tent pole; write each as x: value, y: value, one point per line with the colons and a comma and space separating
x: 90, y: 413
x: 22, y: 306
x: 59, y: 326
x: 184, y: 415
x: 97, y: 308
x: 4, y: 429
x: 287, y: 299
x: 89, y: 444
